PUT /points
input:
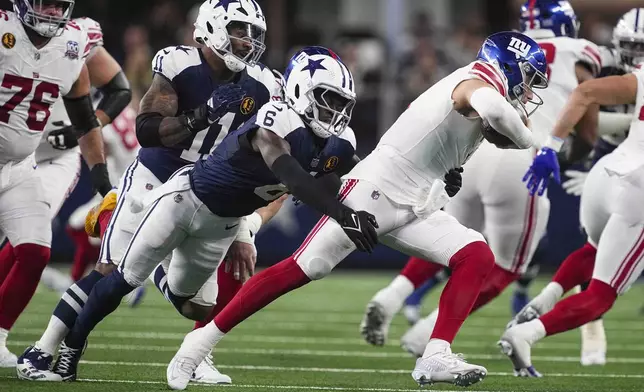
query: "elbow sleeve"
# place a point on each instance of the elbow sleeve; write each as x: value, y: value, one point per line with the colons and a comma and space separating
x: 501, y: 116
x: 147, y: 129
x: 116, y: 95
x: 81, y: 114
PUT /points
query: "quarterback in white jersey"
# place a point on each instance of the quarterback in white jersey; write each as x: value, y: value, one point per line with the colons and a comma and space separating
x: 41, y: 59
x: 400, y: 183
x: 493, y: 199
x: 611, y: 212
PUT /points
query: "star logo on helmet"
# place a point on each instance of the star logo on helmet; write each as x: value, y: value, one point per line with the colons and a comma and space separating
x: 225, y: 4
x: 313, y: 66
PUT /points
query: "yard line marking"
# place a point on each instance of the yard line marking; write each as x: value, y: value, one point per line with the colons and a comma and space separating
x: 327, y: 353
x: 178, y: 336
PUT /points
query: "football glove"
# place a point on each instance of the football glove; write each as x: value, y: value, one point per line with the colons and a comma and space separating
x: 453, y: 181
x: 360, y: 227
x: 575, y: 183
x: 223, y: 100
x: 62, y: 138
x: 545, y: 164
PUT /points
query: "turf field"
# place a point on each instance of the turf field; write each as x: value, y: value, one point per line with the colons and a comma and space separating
x: 309, y: 341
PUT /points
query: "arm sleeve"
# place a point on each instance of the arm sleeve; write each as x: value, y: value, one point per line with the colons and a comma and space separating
x: 611, y: 123
x: 501, y: 116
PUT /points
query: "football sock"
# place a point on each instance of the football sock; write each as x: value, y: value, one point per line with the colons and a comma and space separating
x: 260, y: 290
x: 103, y: 300
x: 470, y: 267
x: 579, y: 309
x: 84, y: 254
x: 160, y: 279
x: 418, y: 271
x: 577, y: 268
x: 7, y: 260
x: 65, y: 314
x: 417, y: 296
x: 494, y: 284
x: 20, y: 285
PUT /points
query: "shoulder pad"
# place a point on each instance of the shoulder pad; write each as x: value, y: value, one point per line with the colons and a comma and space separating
x: 491, y: 75
x: 349, y: 136
x: 93, y: 28
x: 268, y: 79
x: 171, y: 61
x: 278, y: 118
x: 590, y: 54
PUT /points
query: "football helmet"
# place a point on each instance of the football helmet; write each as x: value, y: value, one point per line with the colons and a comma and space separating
x: 628, y: 38
x: 522, y: 62
x: 47, y: 18
x: 556, y: 16
x: 221, y: 22
x: 321, y: 89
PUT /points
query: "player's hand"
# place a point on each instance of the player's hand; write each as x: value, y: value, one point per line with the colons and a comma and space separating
x: 545, y: 164
x: 575, y: 183
x: 241, y: 258
x: 361, y: 228
x: 453, y: 181
x: 224, y: 99
x: 62, y: 138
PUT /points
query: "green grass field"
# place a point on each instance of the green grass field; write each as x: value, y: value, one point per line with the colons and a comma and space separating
x: 309, y: 341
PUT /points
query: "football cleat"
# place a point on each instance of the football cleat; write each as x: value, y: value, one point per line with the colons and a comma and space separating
x: 441, y: 366
x: 192, y: 352
x: 7, y: 358
x: 92, y: 228
x: 67, y: 362
x: 593, y: 343
x: 34, y: 365
x: 207, y: 373
x: 516, y: 346
x: 374, y: 327
x: 416, y: 338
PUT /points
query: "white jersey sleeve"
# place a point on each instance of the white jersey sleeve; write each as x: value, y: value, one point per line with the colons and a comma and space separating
x: 590, y: 54
x: 491, y: 75
x: 171, y: 61
x: 349, y: 136
x: 278, y: 118
x: 121, y: 142
x: 94, y: 33
x: 266, y: 77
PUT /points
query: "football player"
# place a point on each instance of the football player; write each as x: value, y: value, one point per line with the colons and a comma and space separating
x: 42, y: 58
x: 400, y: 182
x: 493, y: 199
x: 198, y: 94
x: 611, y: 214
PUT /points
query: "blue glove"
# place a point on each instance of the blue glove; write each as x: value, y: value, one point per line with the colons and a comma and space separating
x: 226, y: 98
x: 544, y: 165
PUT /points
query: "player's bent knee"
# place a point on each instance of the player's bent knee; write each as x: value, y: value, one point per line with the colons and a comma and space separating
x: 603, y: 296
x: 105, y: 268
x: 315, y: 267
x: 32, y: 256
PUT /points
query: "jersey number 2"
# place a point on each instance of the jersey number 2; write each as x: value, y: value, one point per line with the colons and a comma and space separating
x: 550, y: 50
x: 37, y: 104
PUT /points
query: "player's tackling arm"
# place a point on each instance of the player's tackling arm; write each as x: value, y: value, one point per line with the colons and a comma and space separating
x: 106, y: 74
x: 493, y: 108
x: 612, y: 90
x: 82, y: 116
x: 156, y: 124
x: 277, y: 155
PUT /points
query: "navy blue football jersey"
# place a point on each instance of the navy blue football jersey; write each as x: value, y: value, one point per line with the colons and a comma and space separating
x: 191, y: 76
x: 235, y: 181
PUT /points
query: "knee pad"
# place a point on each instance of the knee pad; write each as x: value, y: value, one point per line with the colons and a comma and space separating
x: 32, y: 256
x: 315, y: 267
x: 477, y: 255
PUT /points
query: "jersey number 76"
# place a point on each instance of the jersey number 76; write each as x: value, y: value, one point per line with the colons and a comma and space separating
x: 36, y: 106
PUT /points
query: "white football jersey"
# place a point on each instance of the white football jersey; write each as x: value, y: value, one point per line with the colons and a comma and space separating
x: 562, y: 54
x: 58, y: 112
x: 428, y: 139
x: 32, y: 80
x: 121, y: 143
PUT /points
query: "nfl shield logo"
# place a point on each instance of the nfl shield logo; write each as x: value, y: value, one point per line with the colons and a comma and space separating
x: 178, y: 198
x: 375, y: 195
x: 72, y: 50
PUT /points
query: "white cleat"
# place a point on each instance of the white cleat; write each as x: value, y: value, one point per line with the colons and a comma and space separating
x: 207, y: 373
x: 539, y: 305
x: 416, y: 338
x: 517, y: 347
x: 35, y: 365
x: 7, y: 358
x: 593, y: 343
x: 443, y: 366
x: 374, y: 327
x: 591, y: 358
x: 183, y: 365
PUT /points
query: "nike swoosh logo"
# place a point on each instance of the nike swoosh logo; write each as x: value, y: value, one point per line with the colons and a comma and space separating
x: 228, y: 227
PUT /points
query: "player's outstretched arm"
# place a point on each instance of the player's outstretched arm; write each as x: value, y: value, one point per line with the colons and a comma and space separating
x: 586, y: 129
x: 106, y: 75
x: 608, y: 91
x: 359, y: 226
x: 495, y: 109
x: 81, y: 113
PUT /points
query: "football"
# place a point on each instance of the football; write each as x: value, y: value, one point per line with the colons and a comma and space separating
x: 495, y: 137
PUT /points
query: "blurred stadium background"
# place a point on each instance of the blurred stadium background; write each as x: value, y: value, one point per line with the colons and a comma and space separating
x: 395, y: 48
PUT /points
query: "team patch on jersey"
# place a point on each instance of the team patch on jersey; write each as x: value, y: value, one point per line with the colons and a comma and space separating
x: 72, y: 50
x: 331, y: 163
x: 8, y: 40
x: 247, y: 105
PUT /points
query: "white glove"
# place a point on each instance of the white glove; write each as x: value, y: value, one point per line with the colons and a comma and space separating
x: 575, y: 183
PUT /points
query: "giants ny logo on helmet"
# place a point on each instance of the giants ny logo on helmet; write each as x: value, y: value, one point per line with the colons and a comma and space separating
x: 519, y: 48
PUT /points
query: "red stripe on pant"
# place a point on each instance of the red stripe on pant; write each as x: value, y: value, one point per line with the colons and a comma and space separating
x: 629, y: 263
x: 528, y: 232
